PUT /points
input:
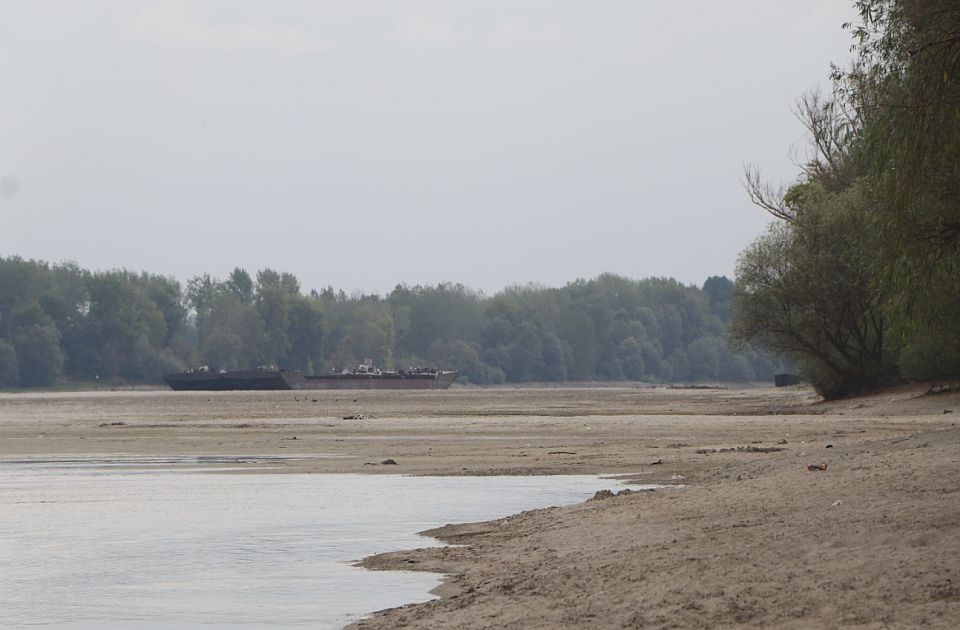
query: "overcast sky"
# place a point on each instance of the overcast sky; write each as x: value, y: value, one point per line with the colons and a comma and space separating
x: 364, y: 143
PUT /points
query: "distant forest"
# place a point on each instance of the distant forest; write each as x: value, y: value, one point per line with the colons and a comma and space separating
x: 63, y: 323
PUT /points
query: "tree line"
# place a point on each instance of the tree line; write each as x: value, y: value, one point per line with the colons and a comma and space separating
x: 858, y: 280
x: 63, y: 323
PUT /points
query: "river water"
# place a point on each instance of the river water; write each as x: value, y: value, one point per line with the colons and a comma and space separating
x: 121, y: 544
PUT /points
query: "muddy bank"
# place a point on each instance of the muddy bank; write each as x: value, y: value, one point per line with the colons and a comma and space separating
x: 754, y: 538
x: 473, y: 432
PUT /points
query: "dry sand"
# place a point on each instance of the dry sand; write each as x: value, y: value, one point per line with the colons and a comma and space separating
x: 753, y: 538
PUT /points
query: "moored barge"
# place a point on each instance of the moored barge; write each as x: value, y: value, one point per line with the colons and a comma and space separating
x: 420, y: 378
x: 269, y: 378
x: 207, y: 380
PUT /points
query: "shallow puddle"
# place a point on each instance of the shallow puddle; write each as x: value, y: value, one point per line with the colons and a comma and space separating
x: 114, y: 542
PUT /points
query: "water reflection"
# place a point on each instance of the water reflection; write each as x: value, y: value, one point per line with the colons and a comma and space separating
x: 85, y: 546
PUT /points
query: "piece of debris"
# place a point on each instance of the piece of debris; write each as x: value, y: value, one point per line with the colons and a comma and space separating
x: 313, y: 399
x: 836, y: 503
x: 783, y: 441
x: 606, y: 494
x: 740, y: 449
x: 113, y: 424
x: 817, y: 467
x: 829, y: 446
x: 356, y: 416
x: 561, y: 453
x: 948, y: 411
x: 909, y: 437
x: 388, y: 462
x: 656, y: 463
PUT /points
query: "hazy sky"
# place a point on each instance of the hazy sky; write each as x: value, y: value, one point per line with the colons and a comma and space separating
x: 365, y: 143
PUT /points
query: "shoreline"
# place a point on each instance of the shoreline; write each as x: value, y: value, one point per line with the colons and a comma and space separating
x: 807, y: 559
x: 754, y: 539
x: 729, y: 552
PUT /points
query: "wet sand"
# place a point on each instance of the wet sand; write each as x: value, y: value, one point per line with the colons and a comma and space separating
x: 753, y: 538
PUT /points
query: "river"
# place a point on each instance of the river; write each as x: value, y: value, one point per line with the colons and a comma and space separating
x: 146, y: 543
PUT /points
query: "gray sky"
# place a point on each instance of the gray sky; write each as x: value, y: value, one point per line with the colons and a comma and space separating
x: 364, y: 143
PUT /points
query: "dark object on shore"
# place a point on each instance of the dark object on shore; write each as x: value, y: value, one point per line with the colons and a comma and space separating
x: 657, y: 463
x: 812, y: 467
x: 786, y: 380
x: 356, y: 416
x: 561, y: 453
x: 388, y: 462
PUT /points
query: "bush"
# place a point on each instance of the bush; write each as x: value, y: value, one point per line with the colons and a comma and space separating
x: 930, y: 358
x: 9, y: 368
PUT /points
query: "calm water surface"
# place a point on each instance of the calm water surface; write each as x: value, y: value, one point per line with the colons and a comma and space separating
x: 108, y: 546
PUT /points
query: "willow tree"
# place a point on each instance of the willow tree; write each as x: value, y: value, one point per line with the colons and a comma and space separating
x: 806, y: 290
x: 904, y: 84
x: 860, y: 282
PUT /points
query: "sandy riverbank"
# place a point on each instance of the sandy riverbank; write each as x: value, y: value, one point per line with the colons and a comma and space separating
x: 753, y: 538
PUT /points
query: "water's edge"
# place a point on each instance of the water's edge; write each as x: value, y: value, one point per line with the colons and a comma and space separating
x: 96, y: 543
x: 413, y: 559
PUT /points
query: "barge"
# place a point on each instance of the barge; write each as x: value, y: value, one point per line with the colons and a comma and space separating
x: 207, y: 380
x: 416, y: 378
x: 270, y: 378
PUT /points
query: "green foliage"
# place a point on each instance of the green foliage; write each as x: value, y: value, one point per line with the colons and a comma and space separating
x: 232, y: 334
x: 62, y: 321
x: 125, y: 318
x: 38, y: 353
x: 240, y: 285
x: 719, y: 290
x: 630, y: 356
x: 861, y: 283
x: 306, y: 329
x: 805, y: 290
x: 9, y: 368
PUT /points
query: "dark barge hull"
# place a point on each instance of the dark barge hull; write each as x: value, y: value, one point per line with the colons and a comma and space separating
x: 430, y: 380
x: 236, y: 380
